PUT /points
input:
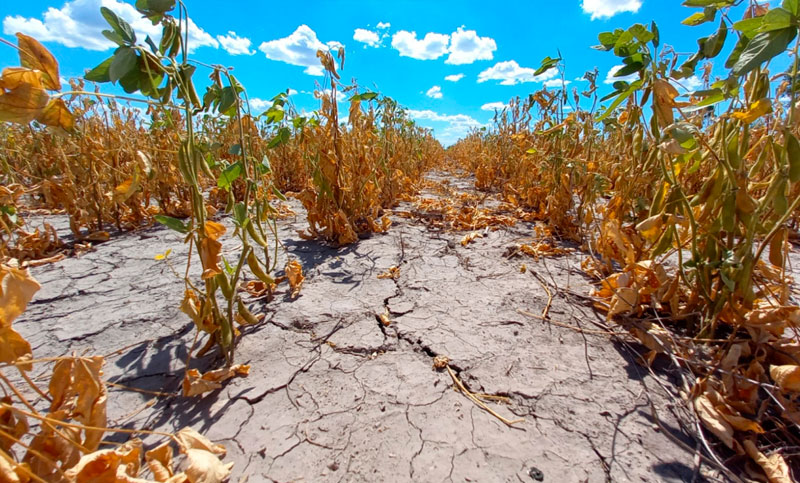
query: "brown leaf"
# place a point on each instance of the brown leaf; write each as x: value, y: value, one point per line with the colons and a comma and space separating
x: 713, y: 420
x: 774, y: 466
x: 11, y: 471
x: 14, y: 425
x: 188, y: 439
x: 159, y: 460
x: 56, y: 114
x: 209, y: 257
x: 786, y: 377
x: 33, y: 55
x: 120, y: 465
x: 205, y: 467
x: 126, y: 189
x: 195, y: 383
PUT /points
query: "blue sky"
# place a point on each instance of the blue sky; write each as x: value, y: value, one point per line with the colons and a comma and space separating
x: 448, y: 62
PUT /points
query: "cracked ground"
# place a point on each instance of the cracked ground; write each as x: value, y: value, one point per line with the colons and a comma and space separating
x: 335, y: 395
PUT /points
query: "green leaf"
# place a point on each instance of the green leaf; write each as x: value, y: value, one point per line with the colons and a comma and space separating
x: 762, y: 48
x: 123, y: 63
x: 240, y: 215
x: 100, y: 73
x: 776, y: 19
x: 278, y: 193
x: 235, y: 150
x: 792, y: 6
x: 282, y: 137
x: 748, y: 24
x: 265, y: 165
x: 172, y: 223
x: 713, y: 45
x: 547, y: 64
x: 624, y: 95
x: 120, y: 26
x: 229, y: 175
x: 113, y: 36
x: 793, y: 153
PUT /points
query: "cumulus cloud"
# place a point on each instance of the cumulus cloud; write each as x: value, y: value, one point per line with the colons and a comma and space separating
x: 383, y: 25
x: 299, y: 48
x: 454, y: 77
x: 430, y: 47
x: 78, y: 23
x: 612, y: 72
x: 367, y: 37
x: 510, y: 73
x: 258, y: 105
x: 466, y: 47
x: 609, y: 8
x: 463, y: 46
x: 494, y: 106
x: 690, y: 84
x: 434, y: 92
x: 235, y: 45
x: 555, y: 83
x: 454, y: 126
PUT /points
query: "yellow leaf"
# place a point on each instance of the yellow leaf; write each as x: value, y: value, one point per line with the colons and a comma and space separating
x: 786, y: 377
x: 774, y: 466
x: 17, y: 288
x: 33, y: 55
x: 757, y: 109
x: 294, y: 272
x: 14, y: 77
x: 163, y: 256
x: 14, y: 348
x: 214, y: 230
x: 126, y: 189
x: 23, y: 104
x: 56, y: 114
x: 664, y: 95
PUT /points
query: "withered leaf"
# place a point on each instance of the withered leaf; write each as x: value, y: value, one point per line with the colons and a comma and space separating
x: 34, y: 55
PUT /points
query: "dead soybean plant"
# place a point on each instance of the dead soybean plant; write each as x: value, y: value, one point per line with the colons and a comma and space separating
x: 687, y: 214
x: 164, y: 73
x: 55, y: 434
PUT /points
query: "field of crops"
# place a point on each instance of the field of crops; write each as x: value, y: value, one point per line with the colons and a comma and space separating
x: 170, y: 261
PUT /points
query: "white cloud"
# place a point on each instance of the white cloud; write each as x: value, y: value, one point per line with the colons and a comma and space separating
x: 466, y: 47
x: 299, y: 48
x: 610, y: 77
x: 259, y: 105
x: 383, y: 25
x: 494, y: 106
x: 454, y: 77
x: 430, y: 47
x: 609, y: 8
x: 367, y: 37
x: 78, y: 23
x: 291, y: 92
x: 510, y: 73
x: 235, y: 45
x: 555, y: 83
x: 690, y: 84
x: 455, y: 126
x: 434, y: 92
